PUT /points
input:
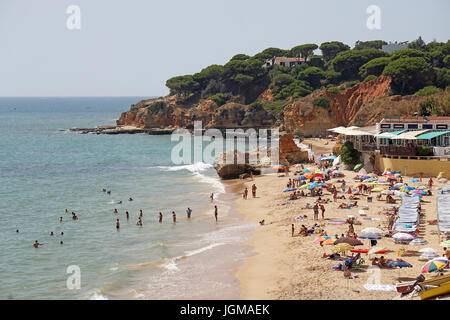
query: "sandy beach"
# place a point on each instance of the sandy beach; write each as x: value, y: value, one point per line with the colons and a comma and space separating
x: 286, y: 267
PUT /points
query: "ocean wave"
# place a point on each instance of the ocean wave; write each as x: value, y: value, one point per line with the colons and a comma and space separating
x: 196, y: 167
x: 97, y: 295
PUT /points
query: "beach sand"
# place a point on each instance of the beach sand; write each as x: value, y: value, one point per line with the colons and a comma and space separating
x: 286, y: 267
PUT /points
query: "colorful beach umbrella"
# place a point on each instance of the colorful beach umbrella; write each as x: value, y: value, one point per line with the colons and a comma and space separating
x: 301, y: 178
x: 306, y: 170
x: 289, y: 189
x: 329, y: 242
x: 399, y: 263
x: 428, y: 250
x: 445, y: 243
x: 359, y: 165
x: 350, y: 241
x: 375, y: 250
x: 371, y: 236
x: 435, y: 265
x: 414, y: 180
x: 373, y: 230
x: 402, y: 236
x: 342, y: 247
x: 418, y: 242
x: 428, y: 256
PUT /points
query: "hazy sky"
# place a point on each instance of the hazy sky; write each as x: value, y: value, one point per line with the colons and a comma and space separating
x: 131, y: 47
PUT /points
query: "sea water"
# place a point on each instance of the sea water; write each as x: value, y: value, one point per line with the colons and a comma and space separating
x: 45, y: 169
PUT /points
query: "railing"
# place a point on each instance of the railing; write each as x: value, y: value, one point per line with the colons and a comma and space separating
x: 398, y: 150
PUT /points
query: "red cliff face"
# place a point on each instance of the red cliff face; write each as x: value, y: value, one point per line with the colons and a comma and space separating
x: 168, y: 112
x: 346, y: 105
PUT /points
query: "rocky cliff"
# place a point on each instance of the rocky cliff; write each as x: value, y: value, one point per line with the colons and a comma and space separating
x: 346, y: 105
x: 170, y: 112
x: 304, y: 118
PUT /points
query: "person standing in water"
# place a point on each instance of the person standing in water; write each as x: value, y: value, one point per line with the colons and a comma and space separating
x: 188, y: 212
x: 215, y: 213
x: 127, y: 214
x: 245, y: 193
x: 117, y: 224
x: 174, y: 216
x: 140, y: 214
x: 160, y: 217
x: 212, y: 197
x: 115, y: 211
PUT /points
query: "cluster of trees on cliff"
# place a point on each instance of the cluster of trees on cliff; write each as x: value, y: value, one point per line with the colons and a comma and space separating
x: 419, y: 66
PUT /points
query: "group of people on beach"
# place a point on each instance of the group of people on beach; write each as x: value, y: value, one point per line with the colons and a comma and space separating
x: 245, y: 193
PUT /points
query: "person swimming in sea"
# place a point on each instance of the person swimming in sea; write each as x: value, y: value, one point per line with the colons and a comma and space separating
x: 130, y: 199
x: 36, y: 244
x: 74, y: 216
x: 108, y: 192
x: 103, y: 190
x: 60, y: 219
x: 52, y: 234
x: 115, y: 211
x: 120, y: 202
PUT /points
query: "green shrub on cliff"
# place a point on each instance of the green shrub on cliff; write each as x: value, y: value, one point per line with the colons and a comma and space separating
x: 219, y: 98
x: 427, y: 91
x: 321, y: 102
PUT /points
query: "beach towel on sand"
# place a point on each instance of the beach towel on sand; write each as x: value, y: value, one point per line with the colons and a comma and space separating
x: 379, y: 287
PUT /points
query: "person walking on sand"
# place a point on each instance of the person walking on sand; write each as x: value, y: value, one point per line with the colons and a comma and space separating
x: 160, y: 217
x: 316, y: 211
x: 293, y: 229
x: 215, y: 213
x: 254, y: 190
x: 322, y: 208
x: 430, y: 183
x: 245, y: 193
x: 174, y: 216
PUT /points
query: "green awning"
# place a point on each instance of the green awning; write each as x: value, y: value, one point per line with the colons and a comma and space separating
x: 431, y: 135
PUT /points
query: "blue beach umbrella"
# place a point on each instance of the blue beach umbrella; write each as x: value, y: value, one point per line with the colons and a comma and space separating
x: 417, y: 195
x: 414, y: 180
x: 399, y: 263
x: 289, y: 189
x: 371, y: 236
x: 306, y: 170
x: 313, y: 185
x: 301, y: 178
